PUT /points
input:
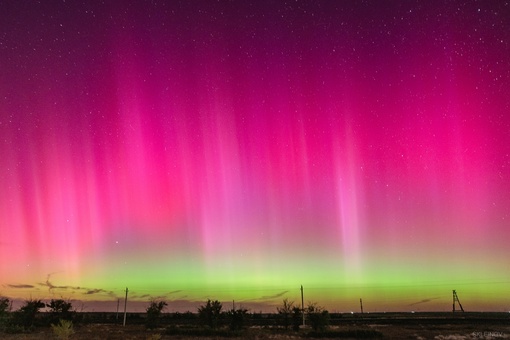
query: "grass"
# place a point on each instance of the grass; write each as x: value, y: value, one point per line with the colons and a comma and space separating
x: 63, y: 330
x: 401, y: 326
x: 350, y: 333
x: 203, y: 332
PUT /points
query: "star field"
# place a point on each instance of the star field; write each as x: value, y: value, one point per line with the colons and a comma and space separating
x: 239, y: 149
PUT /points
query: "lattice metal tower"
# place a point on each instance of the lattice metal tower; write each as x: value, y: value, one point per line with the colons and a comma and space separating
x: 456, y: 299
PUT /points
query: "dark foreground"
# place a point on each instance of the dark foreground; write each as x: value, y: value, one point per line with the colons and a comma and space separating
x: 376, y: 326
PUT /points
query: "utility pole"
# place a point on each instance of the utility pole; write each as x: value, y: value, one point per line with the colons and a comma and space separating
x: 117, y: 315
x: 456, y: 298
x: 125, y: 308
x: 361, y: 305
x: 303, y: 305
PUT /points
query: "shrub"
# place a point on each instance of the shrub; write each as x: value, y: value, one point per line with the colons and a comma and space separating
x: 318, y: 317
x: 285, y: 312
x: 60, y: 310
x: 11, y: 327
x: 210, y: 313
x: 154, y: 312
x: 25, y: 316
x: 297, y: 318
x: 237, y: 318
x: 63, y: 330
x: 4, y: 306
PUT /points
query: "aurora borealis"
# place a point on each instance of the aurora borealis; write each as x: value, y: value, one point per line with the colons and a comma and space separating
x: 236, y: 150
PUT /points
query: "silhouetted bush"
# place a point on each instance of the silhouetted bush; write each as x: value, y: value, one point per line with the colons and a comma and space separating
x: 297, y: 318
x: 11, y: 327
x: 318, y: 317
x: 237, y: 318
x: 153, y: 313
x: 27, y: 313
x: 210, y: 313
x: 4, y: 307
x: 24, y: 319
x: 285, y: 313
x: 60, y: 310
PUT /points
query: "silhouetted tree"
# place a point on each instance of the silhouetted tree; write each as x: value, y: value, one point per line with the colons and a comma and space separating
x: 60, y: 310
x: 285, y: 312
x: 4, y: 307
x: 210, y: 313
x: 25, y: 316
x: 154, y: 312
x: 237, y: 318
x: 317, y: 316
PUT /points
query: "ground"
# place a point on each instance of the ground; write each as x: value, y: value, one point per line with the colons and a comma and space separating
x: 415, y: 331
x: 397, y: 326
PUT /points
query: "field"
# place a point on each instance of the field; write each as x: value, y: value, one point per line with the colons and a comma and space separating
x: 102, y: 326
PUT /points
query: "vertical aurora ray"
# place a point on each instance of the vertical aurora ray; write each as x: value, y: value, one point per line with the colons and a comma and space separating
x: 347, y: 205
x: 237, y: 151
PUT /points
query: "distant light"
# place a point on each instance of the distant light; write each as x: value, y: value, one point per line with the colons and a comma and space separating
x: 352, y: 312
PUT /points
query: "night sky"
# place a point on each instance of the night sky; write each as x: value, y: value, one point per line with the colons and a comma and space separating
x: 236, y: 150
